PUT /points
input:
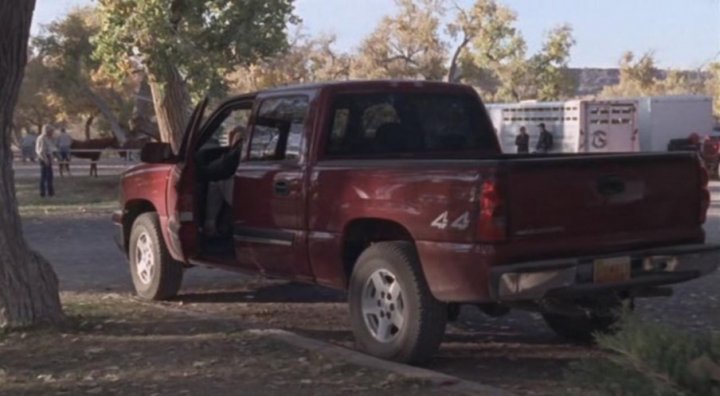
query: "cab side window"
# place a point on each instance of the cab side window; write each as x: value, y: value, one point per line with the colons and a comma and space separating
x: 279, y: 127
x: 233, y: 128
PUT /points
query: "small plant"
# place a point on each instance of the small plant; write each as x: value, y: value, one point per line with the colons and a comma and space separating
x: 646, y: 358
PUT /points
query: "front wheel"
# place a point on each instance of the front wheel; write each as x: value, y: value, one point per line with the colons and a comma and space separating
x: 393, y: 314
x: 155, y: 275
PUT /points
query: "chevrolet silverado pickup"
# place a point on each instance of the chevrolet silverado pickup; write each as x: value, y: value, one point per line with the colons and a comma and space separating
x: 399, y: 194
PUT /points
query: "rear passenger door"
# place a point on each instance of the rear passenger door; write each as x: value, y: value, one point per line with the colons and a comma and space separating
x: 269, y: 197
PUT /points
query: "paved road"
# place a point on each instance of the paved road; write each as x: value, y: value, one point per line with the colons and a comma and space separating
x: 86, y: 258
x: 516, y: 352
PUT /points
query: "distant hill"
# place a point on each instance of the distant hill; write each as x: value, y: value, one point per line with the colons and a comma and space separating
x: 592, y: 80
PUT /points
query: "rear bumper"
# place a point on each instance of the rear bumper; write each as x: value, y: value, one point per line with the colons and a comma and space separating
x: 574, y: 276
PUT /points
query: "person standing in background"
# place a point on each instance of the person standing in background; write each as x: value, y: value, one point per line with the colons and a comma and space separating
x: 45, y: 149
x: 27, y: 146
x: 64, y: 142
x: 546, y: 141
x: 522, y: 141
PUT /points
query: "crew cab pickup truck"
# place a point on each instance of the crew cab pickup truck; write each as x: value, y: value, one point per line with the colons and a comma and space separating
x: 398, y: 193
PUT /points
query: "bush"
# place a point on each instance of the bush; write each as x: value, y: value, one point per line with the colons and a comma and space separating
x: 645, y: 358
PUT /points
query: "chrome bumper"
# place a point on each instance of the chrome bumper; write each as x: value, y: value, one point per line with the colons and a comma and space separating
x: 651, y: 267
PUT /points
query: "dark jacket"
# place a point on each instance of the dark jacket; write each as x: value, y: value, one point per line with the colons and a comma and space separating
x: 546, y: 142
x: 218, y: 163
x: 522, y: 141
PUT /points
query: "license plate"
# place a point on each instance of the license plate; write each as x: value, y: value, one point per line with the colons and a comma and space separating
x: 611, y: 270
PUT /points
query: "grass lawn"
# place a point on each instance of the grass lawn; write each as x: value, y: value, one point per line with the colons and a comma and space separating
x: 75, y: 194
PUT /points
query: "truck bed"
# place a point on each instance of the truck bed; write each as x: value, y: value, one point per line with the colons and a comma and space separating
x: 576, y: 204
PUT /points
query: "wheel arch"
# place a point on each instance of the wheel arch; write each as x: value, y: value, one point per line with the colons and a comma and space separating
x: 360, y: 233
x: 132, y: 210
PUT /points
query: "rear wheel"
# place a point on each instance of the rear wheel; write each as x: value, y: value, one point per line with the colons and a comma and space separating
x: 155, y: 275
x: 394, y: 316
x: 600, y: 317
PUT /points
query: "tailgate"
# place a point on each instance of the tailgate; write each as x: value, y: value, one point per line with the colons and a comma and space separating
x: 605, y: 197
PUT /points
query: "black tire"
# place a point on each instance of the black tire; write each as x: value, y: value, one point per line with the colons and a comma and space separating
x: 164, y: 281
x: 423, y: 328
x: 602, y: 316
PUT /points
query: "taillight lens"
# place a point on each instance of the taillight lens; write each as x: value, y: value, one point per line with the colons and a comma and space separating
x: 704, y: 192
x: 492, y: 221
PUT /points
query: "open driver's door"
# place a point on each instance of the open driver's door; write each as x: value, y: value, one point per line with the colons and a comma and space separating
x: 182, y: 222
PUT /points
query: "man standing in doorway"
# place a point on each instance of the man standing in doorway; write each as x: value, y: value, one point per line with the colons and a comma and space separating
x: 522, y: 141
x: 545, y: 142
x: 64, y: 142
x: 45, y: 149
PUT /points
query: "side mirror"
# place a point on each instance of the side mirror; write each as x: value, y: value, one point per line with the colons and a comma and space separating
x: 156, y: 153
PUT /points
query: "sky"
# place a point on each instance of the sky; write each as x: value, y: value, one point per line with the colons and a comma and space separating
x: 683, y: 34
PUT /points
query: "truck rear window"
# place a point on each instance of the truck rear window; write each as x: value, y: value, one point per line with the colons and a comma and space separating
x: 401, y: 125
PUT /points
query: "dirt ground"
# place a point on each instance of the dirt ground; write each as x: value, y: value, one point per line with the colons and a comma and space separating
x: 516, y: 352
x: 117, y: 346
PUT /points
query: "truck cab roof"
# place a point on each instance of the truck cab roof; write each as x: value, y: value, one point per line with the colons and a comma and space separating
x: 369, y: 85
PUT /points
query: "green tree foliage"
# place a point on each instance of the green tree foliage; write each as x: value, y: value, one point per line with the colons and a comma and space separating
x: 641, y: 77
x: 37, y: 104
x: 494, y: 60
x: 492, y: 55
x: 78, y: 82
x: 682, y: 82
x: 406, y: 45
x: 550, y: 67
x: 637, y: 76
x: 188, y: 46
x: 307, y: 59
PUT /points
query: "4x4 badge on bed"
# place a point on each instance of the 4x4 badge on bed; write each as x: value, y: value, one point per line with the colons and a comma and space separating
x: 461, y: 223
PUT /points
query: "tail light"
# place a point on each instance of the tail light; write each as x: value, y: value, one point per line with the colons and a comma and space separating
x: 492, y: 219
x: 704, y: 192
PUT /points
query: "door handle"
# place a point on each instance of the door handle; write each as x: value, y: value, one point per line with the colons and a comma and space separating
x: 282, y: 188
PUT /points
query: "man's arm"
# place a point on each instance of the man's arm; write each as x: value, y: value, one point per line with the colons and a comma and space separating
x: 225, y: 166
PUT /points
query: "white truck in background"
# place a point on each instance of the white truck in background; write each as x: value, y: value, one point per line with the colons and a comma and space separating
x: 615, y: 125
x: 663, y: 118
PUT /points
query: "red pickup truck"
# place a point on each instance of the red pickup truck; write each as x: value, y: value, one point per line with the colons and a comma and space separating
x: 398, y: 193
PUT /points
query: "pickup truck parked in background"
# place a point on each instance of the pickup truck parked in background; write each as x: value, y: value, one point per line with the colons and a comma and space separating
x: 398, y: 193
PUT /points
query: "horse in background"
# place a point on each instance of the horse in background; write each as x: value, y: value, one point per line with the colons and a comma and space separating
x: 91, y: 149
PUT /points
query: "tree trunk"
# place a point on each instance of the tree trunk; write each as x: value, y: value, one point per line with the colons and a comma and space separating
x: 453, y: 74
x: 88, y: 125
x: 16, y: 134
x: 28, y: 285
x: 117, y: 130
x: 172, y: 104
x: 141, y: 122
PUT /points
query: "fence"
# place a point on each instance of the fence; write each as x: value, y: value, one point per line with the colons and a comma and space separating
x: 106, y: 155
